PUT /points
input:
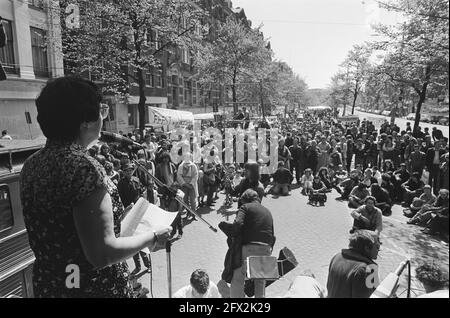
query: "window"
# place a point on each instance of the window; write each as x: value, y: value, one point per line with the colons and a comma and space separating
x: 39, y: 52
x: 175, y: 80
x: 6, y: 213
x: 37, y: 4
x: 194, y: 93
x: 185, y: 56
x: 158, y: 79
x: 149, y: 79
x: 153, y: 39
x: 7, y: 52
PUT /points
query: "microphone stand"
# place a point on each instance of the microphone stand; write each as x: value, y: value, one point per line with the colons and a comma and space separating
x: 176, y: 197
x: 169, y: 243
x: 169, y: 267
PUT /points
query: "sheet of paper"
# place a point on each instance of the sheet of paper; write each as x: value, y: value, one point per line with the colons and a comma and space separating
x: 145, y: 217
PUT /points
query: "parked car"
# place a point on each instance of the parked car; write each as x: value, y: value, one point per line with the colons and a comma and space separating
x: 443, y: 121
x: 386, y: 113
x: 411, y: 116
x: 425, y: 118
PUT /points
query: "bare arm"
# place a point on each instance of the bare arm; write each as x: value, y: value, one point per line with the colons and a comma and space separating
x: 93, y: 219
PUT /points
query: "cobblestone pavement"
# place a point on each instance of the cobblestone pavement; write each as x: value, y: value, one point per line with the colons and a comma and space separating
x: 313, y: 234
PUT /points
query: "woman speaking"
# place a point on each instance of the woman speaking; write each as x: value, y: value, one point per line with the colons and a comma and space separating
x: 71, y: 208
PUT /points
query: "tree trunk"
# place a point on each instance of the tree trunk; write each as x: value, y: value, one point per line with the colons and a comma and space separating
x: 355, y: 96
x: 422, y: 95
x: 142, y: 100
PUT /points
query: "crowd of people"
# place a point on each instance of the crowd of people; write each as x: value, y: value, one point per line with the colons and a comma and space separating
x: 371, y: 169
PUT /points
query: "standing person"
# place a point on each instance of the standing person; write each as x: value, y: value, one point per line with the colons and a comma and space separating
x: 166, y: 172
x: 209, y: 179
x: 433, y: 164
x: 149, y: 147
x: 284, y: 154
x: 372, y: 153
x: 437, y: 134
x: 187, y: 177
x: 296, y: 153
x: 324, y: 153
x: 350, y: 151
x: 350, y: 269
x: 254, y: 226
x: 417, y: 160
x: 360, y: 153
x: 312, y: 156
x: 130, y: 189
x: 60, y: 184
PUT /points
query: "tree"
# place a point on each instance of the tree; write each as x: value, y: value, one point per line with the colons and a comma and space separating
x: 120, y: 41
x: 356, y: 66
x: 417, y: 49
x: 237, y: 54
x: 340, y: 89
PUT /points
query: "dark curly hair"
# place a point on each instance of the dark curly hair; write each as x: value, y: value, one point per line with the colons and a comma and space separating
x: 65, y: 103
x: 200, y: 281
x: 432, y: 275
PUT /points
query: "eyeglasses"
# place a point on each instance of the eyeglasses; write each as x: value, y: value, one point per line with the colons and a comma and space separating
x: 104, y: 111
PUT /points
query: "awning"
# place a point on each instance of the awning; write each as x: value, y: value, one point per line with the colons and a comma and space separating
x: 205, y: 116
x: 322, y: 107
x: 164, y: 116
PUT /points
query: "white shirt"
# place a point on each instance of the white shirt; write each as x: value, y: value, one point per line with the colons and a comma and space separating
x: 187, y: 292
x: 305, y: 287
x: 6, y: 137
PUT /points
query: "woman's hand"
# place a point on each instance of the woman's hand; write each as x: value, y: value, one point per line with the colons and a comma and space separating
x: 162, y: 234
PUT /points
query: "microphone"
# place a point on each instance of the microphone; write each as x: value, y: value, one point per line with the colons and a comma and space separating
x: 107, y: 136
x: 389, y: 285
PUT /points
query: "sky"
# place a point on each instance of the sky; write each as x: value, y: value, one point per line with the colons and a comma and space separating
x: 314, y: 36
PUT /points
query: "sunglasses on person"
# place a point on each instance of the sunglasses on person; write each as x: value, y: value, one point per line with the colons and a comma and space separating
x: 104, y: 111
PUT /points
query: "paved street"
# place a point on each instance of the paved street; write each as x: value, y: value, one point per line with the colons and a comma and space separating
x: 314, y: 234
